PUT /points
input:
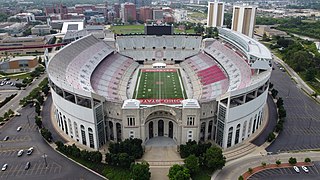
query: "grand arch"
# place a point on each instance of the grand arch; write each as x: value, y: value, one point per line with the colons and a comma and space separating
x: 161, y: 124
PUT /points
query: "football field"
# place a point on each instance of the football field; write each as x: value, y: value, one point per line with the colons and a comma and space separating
x: 159, y: 84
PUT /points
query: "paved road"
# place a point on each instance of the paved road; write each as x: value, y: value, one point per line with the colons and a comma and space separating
x: 289, y: 173
x: 14, y: 103
x: 235, y: 168
x: 302, y: 125
x: 46, y: 115
x: 273, y: 117
x: 58, y: 167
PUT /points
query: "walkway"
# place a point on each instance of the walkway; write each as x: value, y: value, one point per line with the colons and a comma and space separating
x: 161, y: 153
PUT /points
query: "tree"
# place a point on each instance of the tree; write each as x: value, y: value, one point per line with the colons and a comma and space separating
x: 38, y: 121
x: 307, y: 160
x: 46, y: 134
x: 279, y: 102
x: 311, y: 74
x: 282, y: 113
x: 250, y: 170
x: 140, y: 171
x: 192, y: 163
x: 278, y: 162
x: 271, y: 137
x: 263, y: 164
x: 38, y: 109
x: 292, y: 161
x: 178, y: 172
x: 40, y: 99
x: 274, y: 93
x: 214, y: 158
x: 240, y: 177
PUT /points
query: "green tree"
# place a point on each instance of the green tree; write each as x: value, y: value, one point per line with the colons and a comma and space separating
x: 214, y: 158
x: 38, y: 121
x: 307, y: 160
x: 240, y: 177
x: 274, y: 93
x: 40, y: 99
x: 38, y: 109
x: 271, y: 137
x: 46, y: 134
x: 278, y: 162
x: 250, y: 170
x: 279, y: 102
x: 140, y: 171
x: 292, y: 161
x: 263, y: 164
x: 311, y: 74
x: 178, y: 172
x: 192, y: 163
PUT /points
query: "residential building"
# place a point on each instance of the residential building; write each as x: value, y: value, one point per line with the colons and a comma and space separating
x: 244, y: 19
x: 145, y: 13
x: 215, y: 14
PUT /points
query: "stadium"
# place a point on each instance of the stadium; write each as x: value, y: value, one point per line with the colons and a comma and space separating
x: 181, y: 87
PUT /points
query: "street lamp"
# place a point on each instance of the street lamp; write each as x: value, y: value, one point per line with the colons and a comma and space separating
x: 44, y: 156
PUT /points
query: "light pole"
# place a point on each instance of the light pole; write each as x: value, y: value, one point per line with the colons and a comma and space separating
x: 44, y: 156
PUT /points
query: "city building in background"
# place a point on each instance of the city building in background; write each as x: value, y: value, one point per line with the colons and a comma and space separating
x: 215, y: 14
x: 19, y: 64
x: 16, y: 42
x: 41, y: 30
x: 128, y: 12
x: 145, y: 13
x: 244, y: 19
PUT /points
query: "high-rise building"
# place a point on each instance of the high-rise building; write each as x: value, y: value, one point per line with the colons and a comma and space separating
x: 244, y: 19
x: 145, y: 13
x: 128, y: 12
x: 116, y: 8
x: 215, y: 14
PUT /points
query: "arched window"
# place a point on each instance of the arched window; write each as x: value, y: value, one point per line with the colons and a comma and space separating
x: 91, y: 140
x: 76, y: 129
x: 83, y: 135
x: 229, y: 137
x: 236, y: 141
x: 70, y: 126
x: 244, y: 129
x: 249, y: 126
x: 65, y: 124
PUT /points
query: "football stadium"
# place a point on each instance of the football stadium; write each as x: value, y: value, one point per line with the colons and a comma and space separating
x: 180, y: 87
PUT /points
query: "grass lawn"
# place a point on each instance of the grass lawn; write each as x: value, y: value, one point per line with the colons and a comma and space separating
x: 127, y: 29
x: 159, y: 85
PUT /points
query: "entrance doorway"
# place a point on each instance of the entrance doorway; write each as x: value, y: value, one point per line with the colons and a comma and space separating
x: 160, y: 127
x: 150, y: 130
x: 170, y: 129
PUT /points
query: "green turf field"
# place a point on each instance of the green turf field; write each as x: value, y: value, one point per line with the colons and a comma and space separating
x: 159, y: 85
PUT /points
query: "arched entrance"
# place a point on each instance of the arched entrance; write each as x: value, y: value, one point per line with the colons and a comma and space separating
x: 151, y: 129
x: 160, y: 128
x: 170, y: 129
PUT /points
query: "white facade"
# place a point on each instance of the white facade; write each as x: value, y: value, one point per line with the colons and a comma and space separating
x: 244, y: 19
x: 215, y: 14
x: 88, y: 109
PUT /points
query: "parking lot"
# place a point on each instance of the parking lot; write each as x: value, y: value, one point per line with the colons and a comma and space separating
x: 53, y: 166
x: 289, y: 173
x: 302, y: 125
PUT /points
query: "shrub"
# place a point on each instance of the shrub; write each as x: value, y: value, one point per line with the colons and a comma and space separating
x: 192, y: 163
x: 140, y: 171
x: 250, y: 170
x: 178, y: 172
x: 240, y: 177
x: 292, y: 161
x: 263, y: 164
x: 307, y: 160
x: 278, y: 162
x: 271, y: 137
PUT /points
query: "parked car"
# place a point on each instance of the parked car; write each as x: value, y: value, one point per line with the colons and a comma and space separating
x: 6, y: 138
x: 19, y: 128
x: 305, y: 169
x: 20, y: 153
x: 27, y: 166
x: 4, y: 167
x: 296, y: 169
x: 30, y: 150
